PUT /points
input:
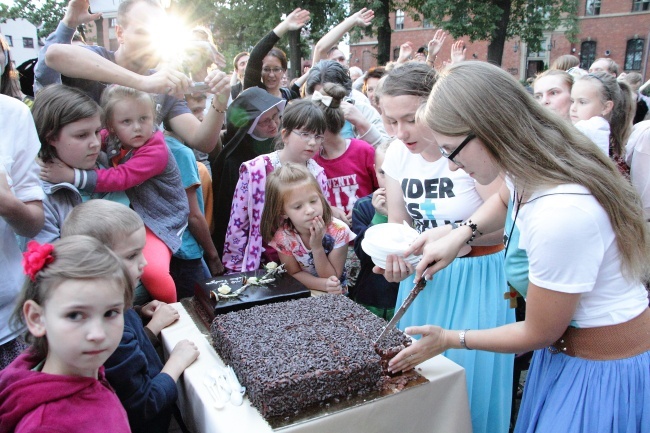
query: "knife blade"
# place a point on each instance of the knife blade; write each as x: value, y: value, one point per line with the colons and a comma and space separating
x: 402, y: 309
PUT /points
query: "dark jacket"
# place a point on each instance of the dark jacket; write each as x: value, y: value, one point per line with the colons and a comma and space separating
x: 239, y: 147
x: 134, y: 372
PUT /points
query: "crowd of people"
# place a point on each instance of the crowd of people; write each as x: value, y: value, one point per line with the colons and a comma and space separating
x: 124, y: 184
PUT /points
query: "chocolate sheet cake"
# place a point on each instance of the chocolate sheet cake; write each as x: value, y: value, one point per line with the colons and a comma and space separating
x: 292, y: 355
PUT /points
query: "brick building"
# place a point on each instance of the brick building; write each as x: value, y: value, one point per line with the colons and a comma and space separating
x: 618, y: 29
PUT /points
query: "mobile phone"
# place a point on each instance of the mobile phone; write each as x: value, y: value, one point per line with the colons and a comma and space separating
x: 100, y: 6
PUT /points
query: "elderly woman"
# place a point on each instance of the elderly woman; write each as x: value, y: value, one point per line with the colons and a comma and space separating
x: 577, y: 251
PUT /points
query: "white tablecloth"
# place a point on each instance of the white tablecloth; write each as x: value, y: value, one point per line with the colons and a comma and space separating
x: 440, y: 405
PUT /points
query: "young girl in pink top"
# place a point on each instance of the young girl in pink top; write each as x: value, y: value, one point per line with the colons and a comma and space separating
x: 73, y: 304
x: 349, y: 163
x: 143, y: 167
x: 303, y: 125
x: 298, y: 223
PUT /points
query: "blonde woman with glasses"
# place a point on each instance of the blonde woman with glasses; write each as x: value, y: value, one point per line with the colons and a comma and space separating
x: 577, y: 250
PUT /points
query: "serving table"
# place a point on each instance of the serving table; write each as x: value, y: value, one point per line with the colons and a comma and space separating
x: 439, y: 405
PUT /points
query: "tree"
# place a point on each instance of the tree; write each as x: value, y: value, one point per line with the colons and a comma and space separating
x: 380, y: 26
x: 239, y: 24
x: 45, y: 18
x: 499, y: 20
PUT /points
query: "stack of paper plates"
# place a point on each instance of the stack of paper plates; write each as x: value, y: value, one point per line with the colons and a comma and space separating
x: 390, y: 238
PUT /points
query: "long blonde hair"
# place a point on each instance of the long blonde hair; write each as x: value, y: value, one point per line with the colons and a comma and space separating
x: 536, y: 148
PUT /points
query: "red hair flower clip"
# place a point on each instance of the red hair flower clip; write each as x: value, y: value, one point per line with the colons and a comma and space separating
x: 36, y: 257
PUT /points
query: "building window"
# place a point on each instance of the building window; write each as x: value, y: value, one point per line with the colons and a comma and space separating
x: 28, y: 42
x: 640, y: 5
x: 426, y: 23
x: 112, y: 22
x: 399, y: 20
x: 587, y: 54
x: 593, y: 7
x: 10, y: 40
x: 633, y: 55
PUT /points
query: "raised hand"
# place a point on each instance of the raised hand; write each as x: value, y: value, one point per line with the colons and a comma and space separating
x: 77, y: 14
x: 297, y: 19
x: 405, y: 52
x: 435, y: 44
x: 363, y: 18
x: 458, y: 51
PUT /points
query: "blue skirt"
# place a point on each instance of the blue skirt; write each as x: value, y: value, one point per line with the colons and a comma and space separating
x: 469, y: 294
x: 575, y: 395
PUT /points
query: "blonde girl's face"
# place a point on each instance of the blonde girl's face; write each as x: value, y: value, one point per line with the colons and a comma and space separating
x: 78, y: 143
x: 129, y: 248
x: 586, y: 101
x: 83, y: 321
x: 300, y: 145
x: 302, y: 203
x: 554, y: 93
x: 132, y: 122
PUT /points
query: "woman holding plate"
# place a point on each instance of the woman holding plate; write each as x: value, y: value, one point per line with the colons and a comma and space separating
x: 423, y: 191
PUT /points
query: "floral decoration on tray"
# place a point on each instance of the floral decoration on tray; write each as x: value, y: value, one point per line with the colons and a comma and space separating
x: 224, y: 291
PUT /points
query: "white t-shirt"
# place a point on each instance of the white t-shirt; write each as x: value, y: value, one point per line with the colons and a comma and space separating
x: 572, y: 248
x: 434, y: 195
x: 18, y: 147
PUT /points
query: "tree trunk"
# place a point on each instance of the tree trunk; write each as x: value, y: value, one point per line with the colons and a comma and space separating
x: 383, y: 33
x: 294, y: 53
x: 498, y: 39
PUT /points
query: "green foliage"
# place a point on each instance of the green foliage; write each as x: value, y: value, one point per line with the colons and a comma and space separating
x: 45, y: 18
x: 239, y: 24
x: 478, y: 19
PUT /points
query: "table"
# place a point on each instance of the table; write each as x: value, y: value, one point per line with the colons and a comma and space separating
x: 440, y: 405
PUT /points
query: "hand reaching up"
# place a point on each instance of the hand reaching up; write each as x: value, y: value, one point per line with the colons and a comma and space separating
x: 458, y: 51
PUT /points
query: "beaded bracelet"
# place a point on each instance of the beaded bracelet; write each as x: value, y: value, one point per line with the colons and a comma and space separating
x: 474, y: 228
x: 215, y: 107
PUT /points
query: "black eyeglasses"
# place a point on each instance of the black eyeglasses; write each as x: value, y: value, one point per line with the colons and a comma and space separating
x: 452, y: 155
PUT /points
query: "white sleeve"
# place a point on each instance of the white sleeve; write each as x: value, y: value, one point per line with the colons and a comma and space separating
x: 638, y: 158
x: 565, y: 248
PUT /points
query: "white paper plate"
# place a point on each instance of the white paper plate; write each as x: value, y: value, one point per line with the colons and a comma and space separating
x: 390, y: 238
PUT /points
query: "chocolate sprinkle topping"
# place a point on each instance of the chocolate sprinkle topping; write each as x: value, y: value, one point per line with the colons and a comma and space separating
x: 292, y: 355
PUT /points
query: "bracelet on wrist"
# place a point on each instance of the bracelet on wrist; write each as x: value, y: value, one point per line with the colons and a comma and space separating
x: 461, y: 339
x: 474, y: 228
x: 215, y: 107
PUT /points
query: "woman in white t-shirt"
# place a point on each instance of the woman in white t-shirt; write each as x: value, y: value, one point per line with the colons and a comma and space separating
x: 423, y: 191
x: 584, y: 242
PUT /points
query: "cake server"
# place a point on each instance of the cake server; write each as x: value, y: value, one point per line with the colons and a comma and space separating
x: 405, y: 305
